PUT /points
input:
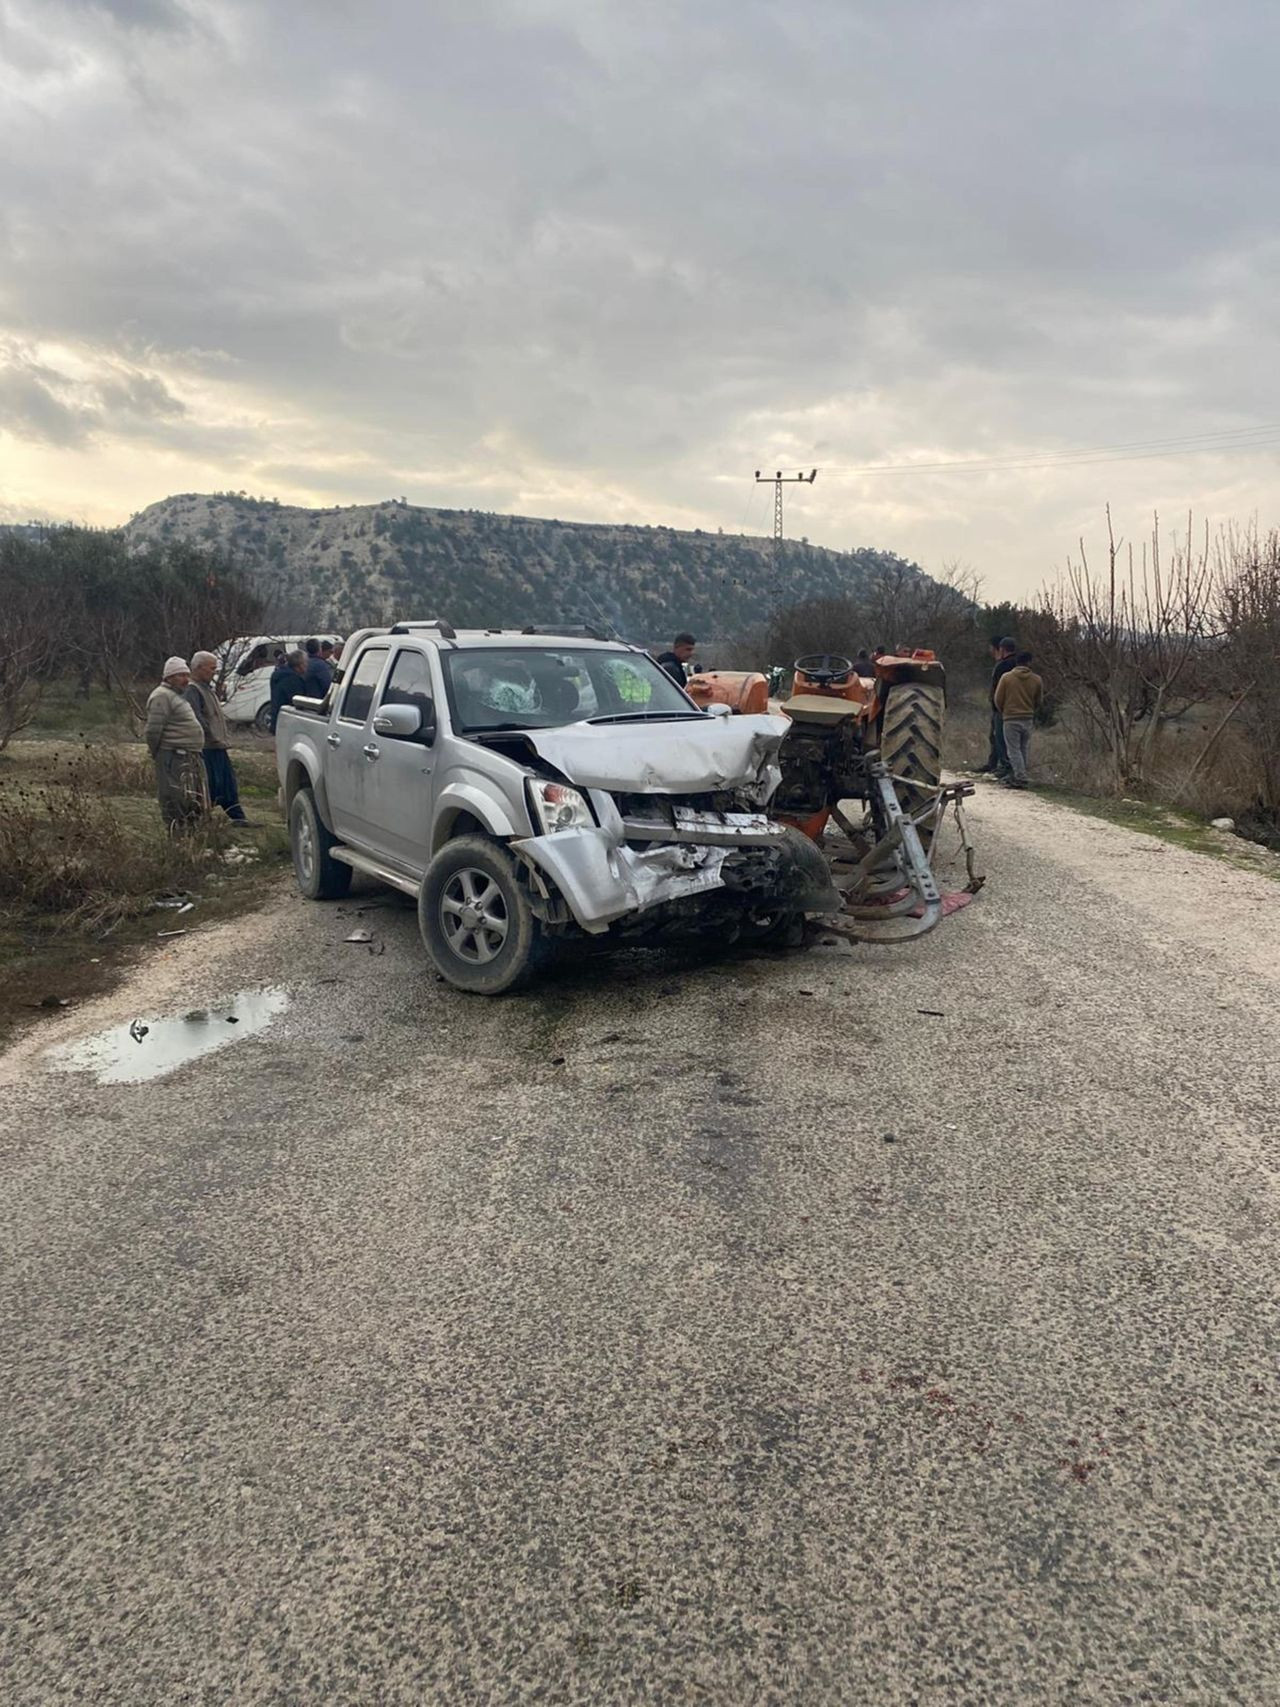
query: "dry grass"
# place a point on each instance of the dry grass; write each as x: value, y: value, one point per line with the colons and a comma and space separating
x: 82, y: 845
x: 87, y: 860
x: 1065, y: 756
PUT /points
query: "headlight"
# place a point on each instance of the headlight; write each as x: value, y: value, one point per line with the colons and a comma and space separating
x: 556, y: 806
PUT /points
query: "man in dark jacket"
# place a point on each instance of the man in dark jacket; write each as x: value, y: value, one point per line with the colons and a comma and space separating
x: 1004, y: 652
x: 319, y: 672
x: 673, y: 662
x: 287, y: 679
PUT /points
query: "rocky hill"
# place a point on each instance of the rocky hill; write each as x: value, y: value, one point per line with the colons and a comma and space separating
x: 369, y: 562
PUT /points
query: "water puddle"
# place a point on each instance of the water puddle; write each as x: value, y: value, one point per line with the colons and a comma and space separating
x: 148, y: 1048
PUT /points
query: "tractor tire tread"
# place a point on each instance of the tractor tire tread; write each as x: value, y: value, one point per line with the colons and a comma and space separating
x: 911, y: 739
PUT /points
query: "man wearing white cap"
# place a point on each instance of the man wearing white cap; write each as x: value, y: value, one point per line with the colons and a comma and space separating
x: 175, y: 741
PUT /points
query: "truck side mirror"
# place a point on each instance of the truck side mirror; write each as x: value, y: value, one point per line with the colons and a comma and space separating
x: 404, y: 722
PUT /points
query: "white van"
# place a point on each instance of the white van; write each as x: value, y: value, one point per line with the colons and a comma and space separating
x: 245, y: 667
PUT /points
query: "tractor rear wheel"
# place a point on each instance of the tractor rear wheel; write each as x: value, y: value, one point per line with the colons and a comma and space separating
x: 911, y: 741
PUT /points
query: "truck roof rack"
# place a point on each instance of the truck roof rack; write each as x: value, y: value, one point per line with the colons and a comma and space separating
x: 570, y: 630
x: 445, y: 629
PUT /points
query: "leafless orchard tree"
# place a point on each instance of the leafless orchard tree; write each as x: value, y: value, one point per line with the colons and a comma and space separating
x: 29, y: 624
x: 1131, y: 646
x: 1247, y: 613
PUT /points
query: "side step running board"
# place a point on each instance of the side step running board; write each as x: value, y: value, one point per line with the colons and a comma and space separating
x: 375, y: 869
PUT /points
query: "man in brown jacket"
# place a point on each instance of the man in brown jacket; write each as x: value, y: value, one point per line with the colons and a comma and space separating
x: 1018, y: 697
x: 219, y: 772
x: 175, y: 741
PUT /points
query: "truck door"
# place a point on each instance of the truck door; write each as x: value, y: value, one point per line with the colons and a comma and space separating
x: 351, y: 759
x: 406, y: 765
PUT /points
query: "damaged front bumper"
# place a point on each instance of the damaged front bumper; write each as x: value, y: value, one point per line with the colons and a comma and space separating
x: 742, y: 859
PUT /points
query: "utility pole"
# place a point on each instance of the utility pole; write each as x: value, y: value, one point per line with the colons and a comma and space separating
x: 780, y: 480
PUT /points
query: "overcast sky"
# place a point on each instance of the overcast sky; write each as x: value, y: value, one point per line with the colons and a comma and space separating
x: 601, y: 260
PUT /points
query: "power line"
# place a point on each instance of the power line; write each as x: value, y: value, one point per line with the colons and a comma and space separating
x: 1234, y: 439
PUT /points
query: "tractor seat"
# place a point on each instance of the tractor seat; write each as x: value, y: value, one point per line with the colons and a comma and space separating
x: 818, y: 708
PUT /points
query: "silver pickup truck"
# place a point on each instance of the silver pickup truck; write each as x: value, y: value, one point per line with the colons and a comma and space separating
x: 526, y: 787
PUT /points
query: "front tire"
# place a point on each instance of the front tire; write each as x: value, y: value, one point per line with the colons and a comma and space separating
x: 475, y: 918
x: 320, y: 876
x: 262, y: 718
x: 768, y: 929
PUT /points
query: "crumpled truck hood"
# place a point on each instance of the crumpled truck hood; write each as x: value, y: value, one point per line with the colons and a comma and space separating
x: 697, y: 757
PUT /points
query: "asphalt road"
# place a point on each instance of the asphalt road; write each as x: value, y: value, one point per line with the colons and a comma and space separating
x: 680, y: 1332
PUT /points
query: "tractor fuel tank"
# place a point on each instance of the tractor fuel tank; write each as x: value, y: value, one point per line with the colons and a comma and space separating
x: 743, y: 691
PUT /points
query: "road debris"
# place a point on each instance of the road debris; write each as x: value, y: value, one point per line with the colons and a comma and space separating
x: 367, y: 939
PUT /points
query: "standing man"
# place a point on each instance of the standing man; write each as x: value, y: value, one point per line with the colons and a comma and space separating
x: 1004, y: 655
x: 175, y: 740
x: 219, y: 772
x: 319, y: 672
x: 287, y: 679
x: 1018, y: 696
x: 673, y: 662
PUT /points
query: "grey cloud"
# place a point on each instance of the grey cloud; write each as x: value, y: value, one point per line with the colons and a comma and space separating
x: 629, y: 240
x: 139, y: 14
x: 138, y: 396
x: 30, y: 408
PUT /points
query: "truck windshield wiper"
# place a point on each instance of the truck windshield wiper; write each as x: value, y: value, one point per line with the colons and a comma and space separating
x: 644, y: 716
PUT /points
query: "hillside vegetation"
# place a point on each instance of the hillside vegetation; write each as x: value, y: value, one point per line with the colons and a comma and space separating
x: 365, y: 563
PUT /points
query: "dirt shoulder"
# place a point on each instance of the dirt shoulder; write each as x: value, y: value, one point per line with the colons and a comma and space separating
x: 90, y: 882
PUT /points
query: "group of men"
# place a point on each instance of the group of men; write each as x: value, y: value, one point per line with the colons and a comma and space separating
x: 186, y: 729
x: 308, y: 670
x: 1017, y: 694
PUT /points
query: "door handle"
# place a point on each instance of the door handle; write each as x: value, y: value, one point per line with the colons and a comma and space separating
x: 334, y: 740
x: 371, y: 752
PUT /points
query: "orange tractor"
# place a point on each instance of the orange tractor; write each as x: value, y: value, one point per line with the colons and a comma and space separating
x: 875, y: 743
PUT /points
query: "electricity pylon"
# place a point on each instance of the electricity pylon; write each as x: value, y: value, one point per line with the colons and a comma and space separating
x: 780, y: 480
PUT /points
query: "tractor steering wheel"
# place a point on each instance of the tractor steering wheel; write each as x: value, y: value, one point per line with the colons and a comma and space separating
x: 824, y: 668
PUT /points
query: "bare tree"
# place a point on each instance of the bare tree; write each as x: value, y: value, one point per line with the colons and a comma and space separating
x: 28, y: 625
x: 1131, y: 646
x: 1247, y: 607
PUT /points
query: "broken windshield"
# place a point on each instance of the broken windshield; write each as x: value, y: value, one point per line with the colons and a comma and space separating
x: 525, y: 687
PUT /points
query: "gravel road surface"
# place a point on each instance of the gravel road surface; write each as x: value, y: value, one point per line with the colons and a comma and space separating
x: 874, y: 1325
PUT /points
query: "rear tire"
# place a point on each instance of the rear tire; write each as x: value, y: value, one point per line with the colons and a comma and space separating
x: 911, y: 741
x: 475, y: 918
x: 320, y: 876
x: 262, y: 718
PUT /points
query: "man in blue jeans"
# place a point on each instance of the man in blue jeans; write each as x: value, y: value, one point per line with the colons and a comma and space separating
x: 1019, y: 696
x: 219, y: 771
x: 1004, y: 651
